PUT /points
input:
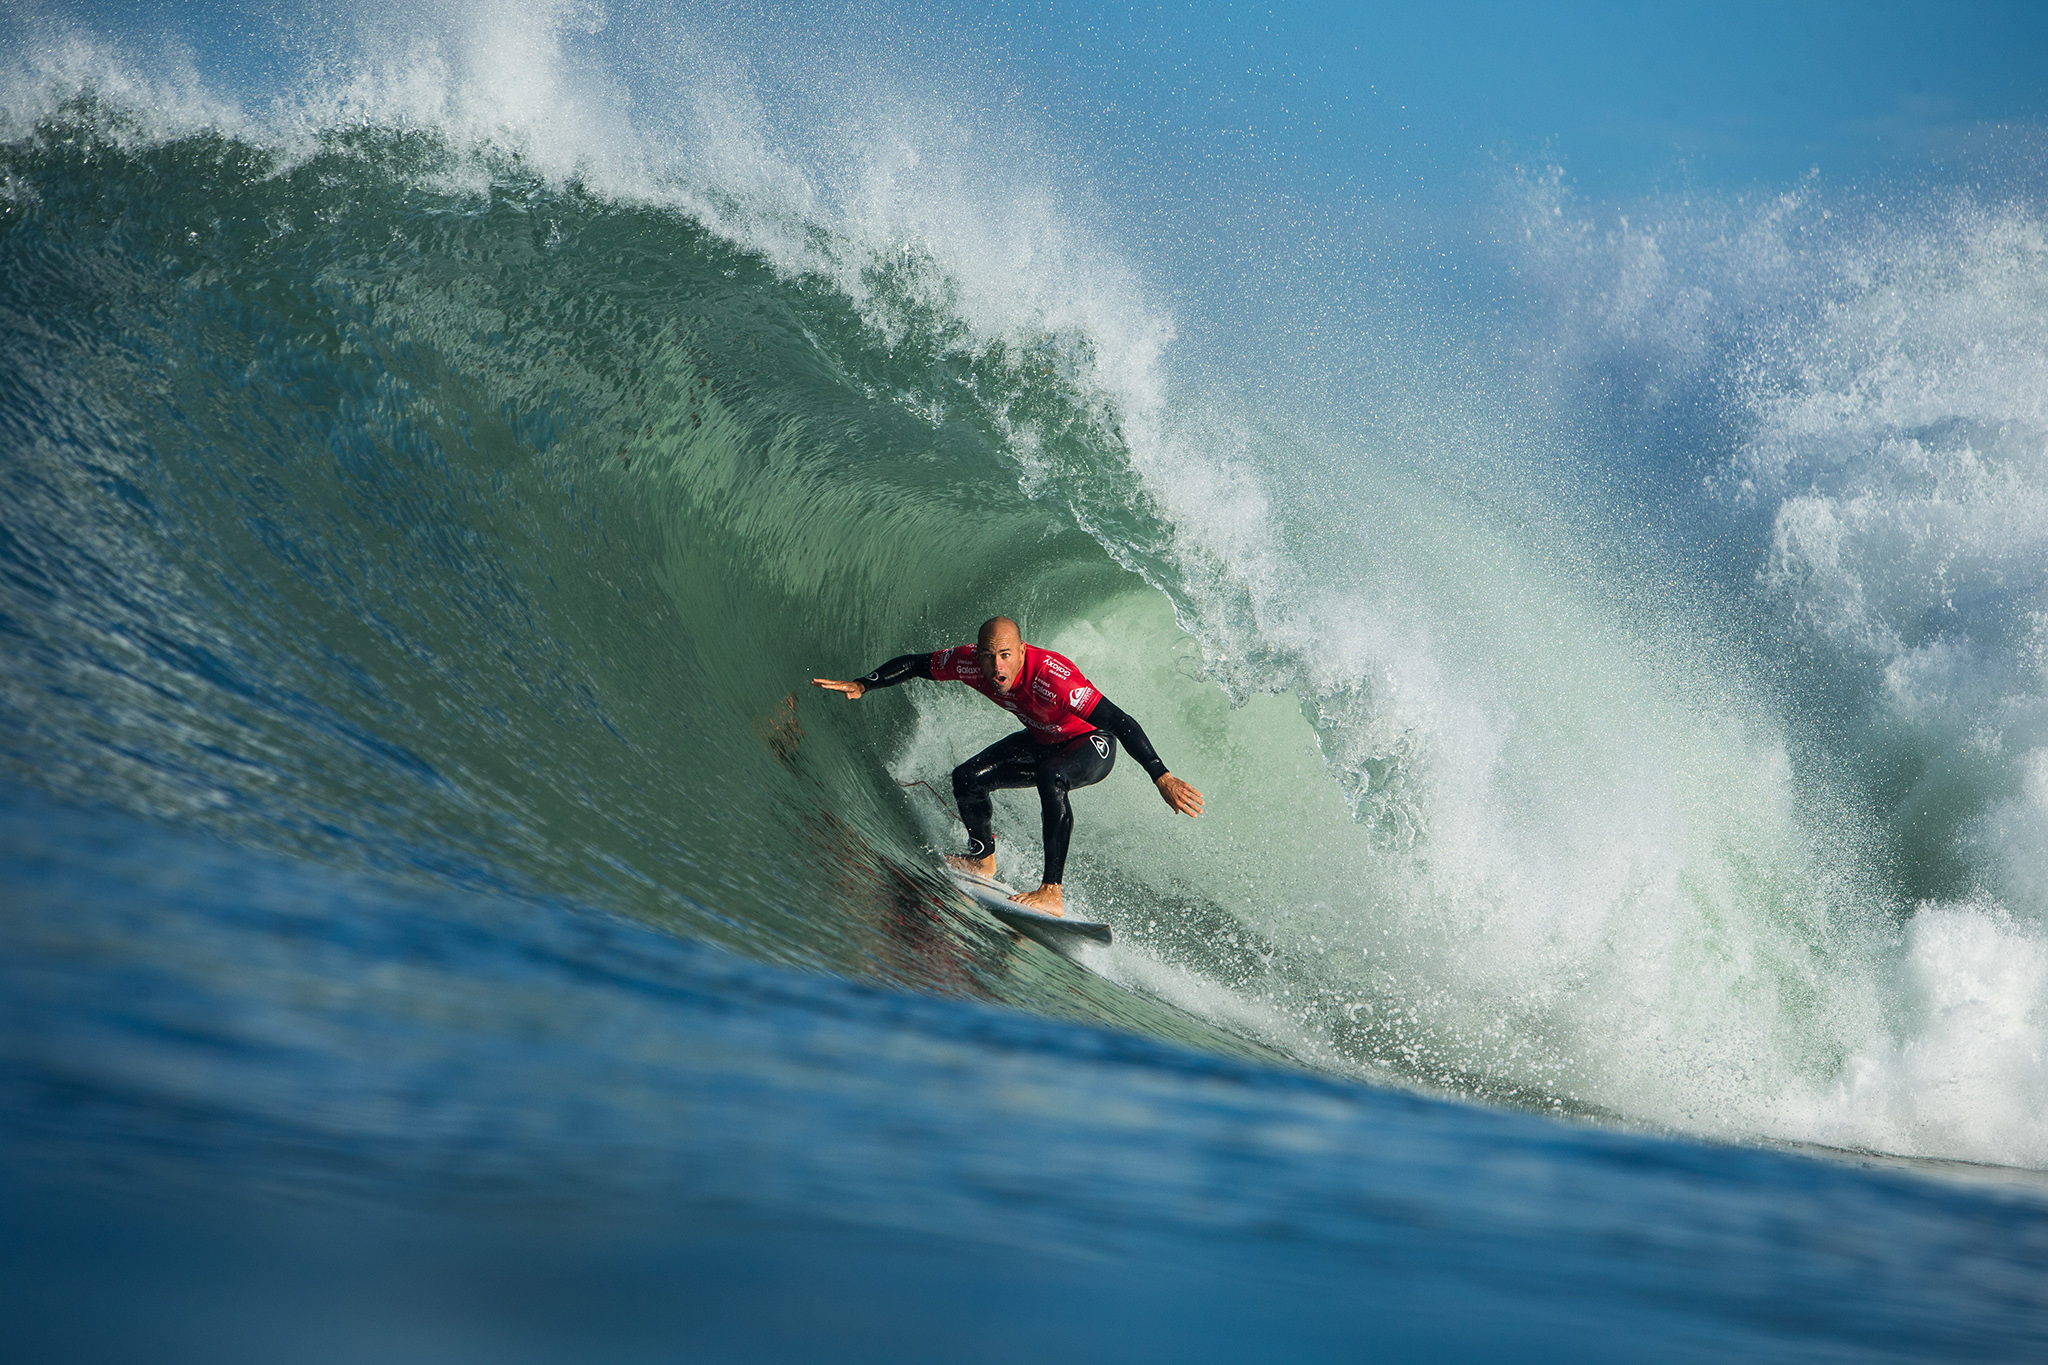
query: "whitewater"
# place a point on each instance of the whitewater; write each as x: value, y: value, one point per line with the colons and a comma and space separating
x: 1613, y: 641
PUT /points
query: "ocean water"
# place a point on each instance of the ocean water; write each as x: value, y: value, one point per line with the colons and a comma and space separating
x: 1605, y: 603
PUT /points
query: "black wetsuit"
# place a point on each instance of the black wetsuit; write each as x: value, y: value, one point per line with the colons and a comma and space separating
x: 1017, y: 761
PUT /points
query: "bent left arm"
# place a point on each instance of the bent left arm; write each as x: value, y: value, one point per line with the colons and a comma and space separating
x: 1107, y: 715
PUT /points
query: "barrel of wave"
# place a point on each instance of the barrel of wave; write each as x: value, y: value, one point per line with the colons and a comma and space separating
x: 1623, y: 976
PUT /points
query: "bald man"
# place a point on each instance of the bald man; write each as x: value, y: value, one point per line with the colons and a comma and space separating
x: 1065, y: 743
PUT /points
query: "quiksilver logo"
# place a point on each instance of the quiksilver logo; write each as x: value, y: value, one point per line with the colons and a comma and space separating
x: 1101, y: 745
x: 1074, y: 697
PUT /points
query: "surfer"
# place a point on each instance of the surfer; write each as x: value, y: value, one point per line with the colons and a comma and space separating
x: 1065, y: 743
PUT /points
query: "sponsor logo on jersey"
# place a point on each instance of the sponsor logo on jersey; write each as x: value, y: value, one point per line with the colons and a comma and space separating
x: 1042, y: 689
x: 1056, y: 668
x: 1077, y: 696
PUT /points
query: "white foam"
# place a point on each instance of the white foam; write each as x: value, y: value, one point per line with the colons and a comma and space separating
x: 53, y: 61
x: 1897, y: 449
x: 1966, y: 1076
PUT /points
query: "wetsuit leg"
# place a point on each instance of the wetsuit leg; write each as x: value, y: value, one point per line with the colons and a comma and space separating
x: 1079, y: 762
x: 1009, y: 762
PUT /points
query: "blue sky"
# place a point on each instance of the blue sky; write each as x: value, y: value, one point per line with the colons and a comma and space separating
x: 1630, y: 98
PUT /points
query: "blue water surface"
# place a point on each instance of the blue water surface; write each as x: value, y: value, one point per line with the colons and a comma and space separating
x: 259, y: 1109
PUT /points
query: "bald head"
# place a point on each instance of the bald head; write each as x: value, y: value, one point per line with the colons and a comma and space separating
x: 1000, y: 649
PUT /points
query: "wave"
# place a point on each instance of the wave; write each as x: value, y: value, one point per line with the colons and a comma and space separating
x: 455, y: 469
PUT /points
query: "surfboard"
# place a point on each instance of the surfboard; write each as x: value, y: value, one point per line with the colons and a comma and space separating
x: 994, y: 896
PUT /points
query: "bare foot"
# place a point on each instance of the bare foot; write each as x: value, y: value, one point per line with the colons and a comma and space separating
x: 1046, y: 900
x: 980, y: 867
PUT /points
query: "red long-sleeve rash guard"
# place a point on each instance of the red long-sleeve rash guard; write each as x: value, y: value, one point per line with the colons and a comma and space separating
x: 1052, y: 698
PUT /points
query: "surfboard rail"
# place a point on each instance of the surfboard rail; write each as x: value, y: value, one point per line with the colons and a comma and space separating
x: 994, y: 896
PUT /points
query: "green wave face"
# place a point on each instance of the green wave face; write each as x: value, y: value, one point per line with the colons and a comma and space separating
x: 392, y: 508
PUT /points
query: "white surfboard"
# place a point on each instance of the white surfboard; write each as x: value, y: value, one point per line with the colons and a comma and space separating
x: 994, y: 896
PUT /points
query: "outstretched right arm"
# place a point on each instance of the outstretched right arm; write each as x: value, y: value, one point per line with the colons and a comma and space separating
x: 898, y: 669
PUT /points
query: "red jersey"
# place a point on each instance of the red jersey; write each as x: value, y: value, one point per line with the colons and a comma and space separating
x: 1050, y: 697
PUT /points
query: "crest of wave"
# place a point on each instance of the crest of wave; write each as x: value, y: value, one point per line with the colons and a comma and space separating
x: 1888, y: 370
x: 1906, y: 451
x: 897, y: 181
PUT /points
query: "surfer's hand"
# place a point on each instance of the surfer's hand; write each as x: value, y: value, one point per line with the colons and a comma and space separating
x: 854, y: 690
x: 1180, y: 795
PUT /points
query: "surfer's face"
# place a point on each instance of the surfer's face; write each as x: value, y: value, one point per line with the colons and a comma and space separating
x: 1002, y: 659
